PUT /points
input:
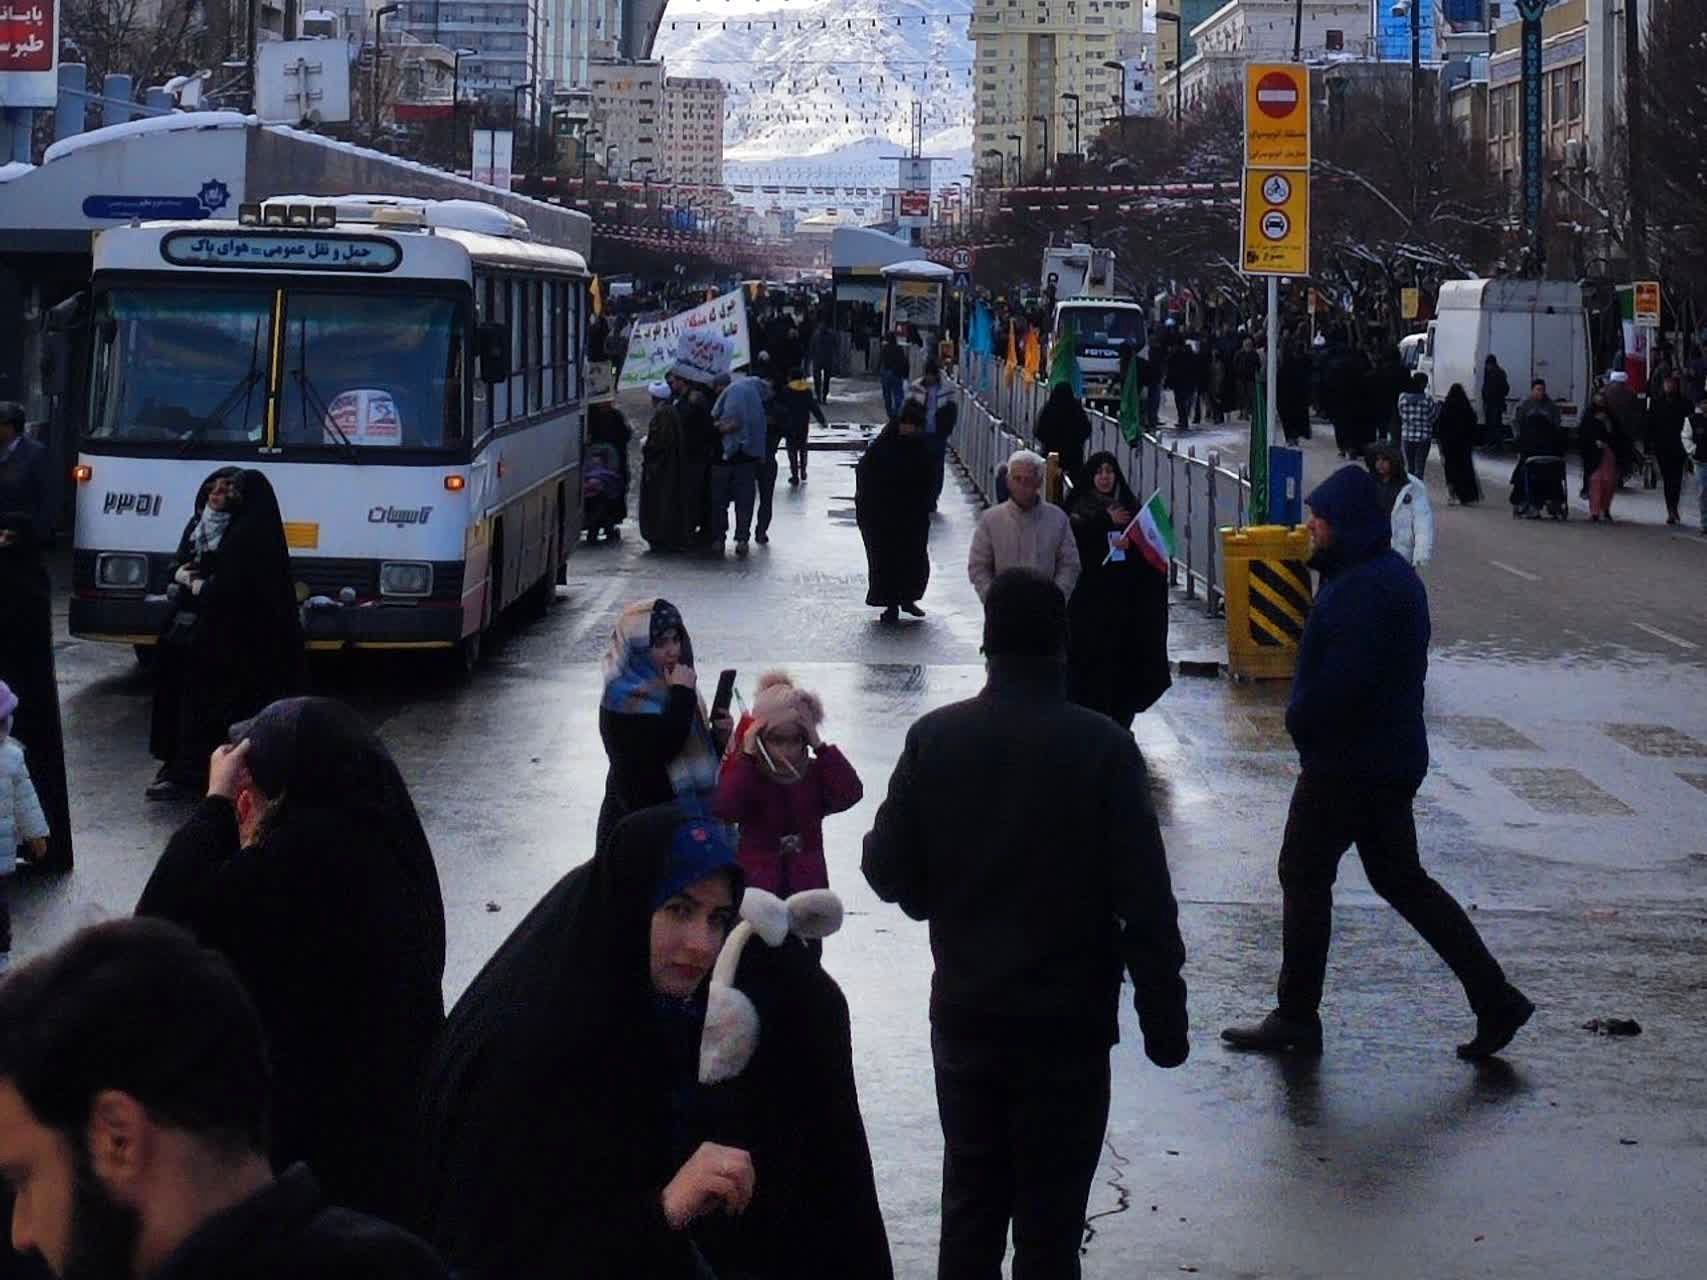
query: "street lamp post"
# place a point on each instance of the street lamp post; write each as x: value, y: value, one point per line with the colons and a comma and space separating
x: 1074, y: 99
x: 1019, y: 157
x: 610, y: 160
x: 1121, y: 68
x: 457, y: 55
x: 379, y: 16
x: 1048, y: 157
x: 971, y: 180
x: 1179, y: 59
x: 1530, y: 11
x: 587, y: 139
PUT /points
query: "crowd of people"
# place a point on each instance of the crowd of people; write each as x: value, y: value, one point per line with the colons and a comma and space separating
x: 655, y: 1072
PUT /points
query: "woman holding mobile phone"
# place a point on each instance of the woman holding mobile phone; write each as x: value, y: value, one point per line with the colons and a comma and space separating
x: 779, y: 787
x: 1117, y: 660
x: 661, y: 744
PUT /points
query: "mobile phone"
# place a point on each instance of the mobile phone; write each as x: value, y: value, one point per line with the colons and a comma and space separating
x: 725, y: 692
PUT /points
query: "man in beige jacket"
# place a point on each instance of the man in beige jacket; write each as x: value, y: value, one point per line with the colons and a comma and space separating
x: 1024, y: 532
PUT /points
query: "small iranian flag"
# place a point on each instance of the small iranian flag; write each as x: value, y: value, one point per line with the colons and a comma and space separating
x: 1152, y: 533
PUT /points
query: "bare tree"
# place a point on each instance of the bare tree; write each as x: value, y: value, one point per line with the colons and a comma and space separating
x: 151, y: 40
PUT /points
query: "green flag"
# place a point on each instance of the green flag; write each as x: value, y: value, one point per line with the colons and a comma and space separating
x: 1131, y: 424
x: 1064, y: 362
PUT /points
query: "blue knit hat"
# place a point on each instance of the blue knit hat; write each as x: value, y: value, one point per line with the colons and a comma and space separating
x: 698, y: 849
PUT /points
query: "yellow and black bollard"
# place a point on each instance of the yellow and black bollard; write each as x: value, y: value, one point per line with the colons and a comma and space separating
x: 1268, y: 599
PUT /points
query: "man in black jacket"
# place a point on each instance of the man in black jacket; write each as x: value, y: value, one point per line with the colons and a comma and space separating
x: 1356, y: 716
x: 133, y: 1125
x: 1020, y: 827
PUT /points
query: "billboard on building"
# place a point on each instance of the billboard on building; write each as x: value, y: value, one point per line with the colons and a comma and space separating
x: 1393, y: 33
x: 29, y: 53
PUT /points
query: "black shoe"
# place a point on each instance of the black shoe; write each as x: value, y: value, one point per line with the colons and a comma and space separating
x: 891, y: 614
x: 168, y: 789
x: 763, y: 539
x: 914, y: 609
x: 1276, y: 1034
x: 1495, y: 1028
x: 793, y: 480
x: 741, y: 547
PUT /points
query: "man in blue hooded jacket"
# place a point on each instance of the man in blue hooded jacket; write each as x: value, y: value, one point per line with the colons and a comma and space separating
x: 1356, y: 716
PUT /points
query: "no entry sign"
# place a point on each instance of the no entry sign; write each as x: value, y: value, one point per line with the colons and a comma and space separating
x: 1277, y: 116
x: 1277, y: 95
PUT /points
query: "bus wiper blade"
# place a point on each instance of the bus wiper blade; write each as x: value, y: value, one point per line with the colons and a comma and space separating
x: 306, y: 389
x: 238, y: 393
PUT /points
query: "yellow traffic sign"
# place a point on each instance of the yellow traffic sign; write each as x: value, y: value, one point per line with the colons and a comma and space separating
x: 1277, y: 115
x: 1276, y: 223
x: 1647, y: 308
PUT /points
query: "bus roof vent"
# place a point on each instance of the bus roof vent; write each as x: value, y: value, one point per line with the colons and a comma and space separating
x: 483, y: 219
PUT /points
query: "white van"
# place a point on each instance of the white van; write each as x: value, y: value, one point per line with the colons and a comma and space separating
x: 1535, y: 328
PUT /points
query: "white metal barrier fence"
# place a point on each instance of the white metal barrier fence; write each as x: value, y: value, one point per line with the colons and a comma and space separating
x: 998, y: 415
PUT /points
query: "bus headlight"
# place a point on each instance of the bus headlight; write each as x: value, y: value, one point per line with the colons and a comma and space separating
x: 117, y: 571
x: 405, y: 578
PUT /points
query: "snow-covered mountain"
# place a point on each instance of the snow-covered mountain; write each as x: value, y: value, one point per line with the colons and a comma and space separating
x: 819, y: 90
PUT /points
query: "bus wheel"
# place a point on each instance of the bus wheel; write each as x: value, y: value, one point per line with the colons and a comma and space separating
x: 466, y: 656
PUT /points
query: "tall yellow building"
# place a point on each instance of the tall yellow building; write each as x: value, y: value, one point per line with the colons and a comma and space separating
x: 1033, y: 57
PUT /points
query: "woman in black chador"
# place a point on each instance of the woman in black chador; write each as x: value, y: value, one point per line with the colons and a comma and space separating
x: 567, y: 1129
x: 894, y: 485
x: 1117, y: 661
x: 234, y: 641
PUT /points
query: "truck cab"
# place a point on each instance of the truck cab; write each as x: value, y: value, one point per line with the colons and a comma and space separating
x: 1101, y: 328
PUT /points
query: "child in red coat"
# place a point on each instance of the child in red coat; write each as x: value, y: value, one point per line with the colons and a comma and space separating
x: 778, y: 786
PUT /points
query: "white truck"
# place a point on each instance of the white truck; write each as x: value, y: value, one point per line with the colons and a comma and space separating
x: 1078, y: 271
x: 1535, y: 328
x: 1101, y: 327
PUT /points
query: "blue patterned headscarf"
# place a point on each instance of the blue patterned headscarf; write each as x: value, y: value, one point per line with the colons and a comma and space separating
x: 635, y: 686
x: 633, y: 683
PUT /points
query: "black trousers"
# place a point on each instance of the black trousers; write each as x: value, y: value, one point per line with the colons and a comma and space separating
x: 767, y: 493
x: 1671, y: 476
x: 1327, y: 817
x: 821, y: 381
x: 1022, y: 1124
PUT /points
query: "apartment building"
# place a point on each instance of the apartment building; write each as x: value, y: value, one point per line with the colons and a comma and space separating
x: 629, y: 116
x: 694, y: 109
x: 499, y: 34
x: 1033, y: 57
x: 1261, y: 31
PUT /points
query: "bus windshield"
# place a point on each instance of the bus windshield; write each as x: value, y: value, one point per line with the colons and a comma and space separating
x: 375, y: 370
x: 1104, y: 326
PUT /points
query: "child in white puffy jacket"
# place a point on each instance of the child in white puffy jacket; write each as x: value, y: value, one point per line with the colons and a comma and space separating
x: 1410, y: 511
x: 21, y: 821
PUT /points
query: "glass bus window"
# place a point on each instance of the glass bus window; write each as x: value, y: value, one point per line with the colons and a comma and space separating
x: 548, y: 345
x: 575, y: 352
x: 375, y: 370
x: 501, y: 314
x: 536, y: 352
x: 181, y: 365
x: 518, y: 349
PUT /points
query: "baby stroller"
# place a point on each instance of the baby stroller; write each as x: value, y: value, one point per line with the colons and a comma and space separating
x: 1538, y: 488
x: 604, y: 492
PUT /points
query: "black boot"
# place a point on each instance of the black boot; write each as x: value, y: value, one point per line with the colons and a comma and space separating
x: 1495, y: 1027
x: 891, y: 614
x: 1277, y: 1034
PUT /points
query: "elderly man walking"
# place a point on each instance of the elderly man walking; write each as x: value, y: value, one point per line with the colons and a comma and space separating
x: 1024, y: 533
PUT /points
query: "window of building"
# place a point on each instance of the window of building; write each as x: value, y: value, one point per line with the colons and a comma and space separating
x: 1556, y: 97
x: 1574, y: 93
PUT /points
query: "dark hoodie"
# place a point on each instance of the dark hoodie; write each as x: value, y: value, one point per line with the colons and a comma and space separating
x: 1357, y: 699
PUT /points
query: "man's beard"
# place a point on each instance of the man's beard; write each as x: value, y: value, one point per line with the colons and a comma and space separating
x: 104, y: 1231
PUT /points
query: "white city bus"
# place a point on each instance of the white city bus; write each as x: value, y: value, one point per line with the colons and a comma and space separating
x: 407, y: 374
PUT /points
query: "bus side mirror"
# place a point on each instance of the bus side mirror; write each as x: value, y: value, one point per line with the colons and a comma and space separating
x: 492, y: 351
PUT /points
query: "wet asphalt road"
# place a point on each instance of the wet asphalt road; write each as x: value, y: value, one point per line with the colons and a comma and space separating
x: 1567, y: 806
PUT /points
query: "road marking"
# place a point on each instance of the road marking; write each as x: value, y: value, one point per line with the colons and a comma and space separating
x: 1667, y: 636
x: 1520, y: 573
